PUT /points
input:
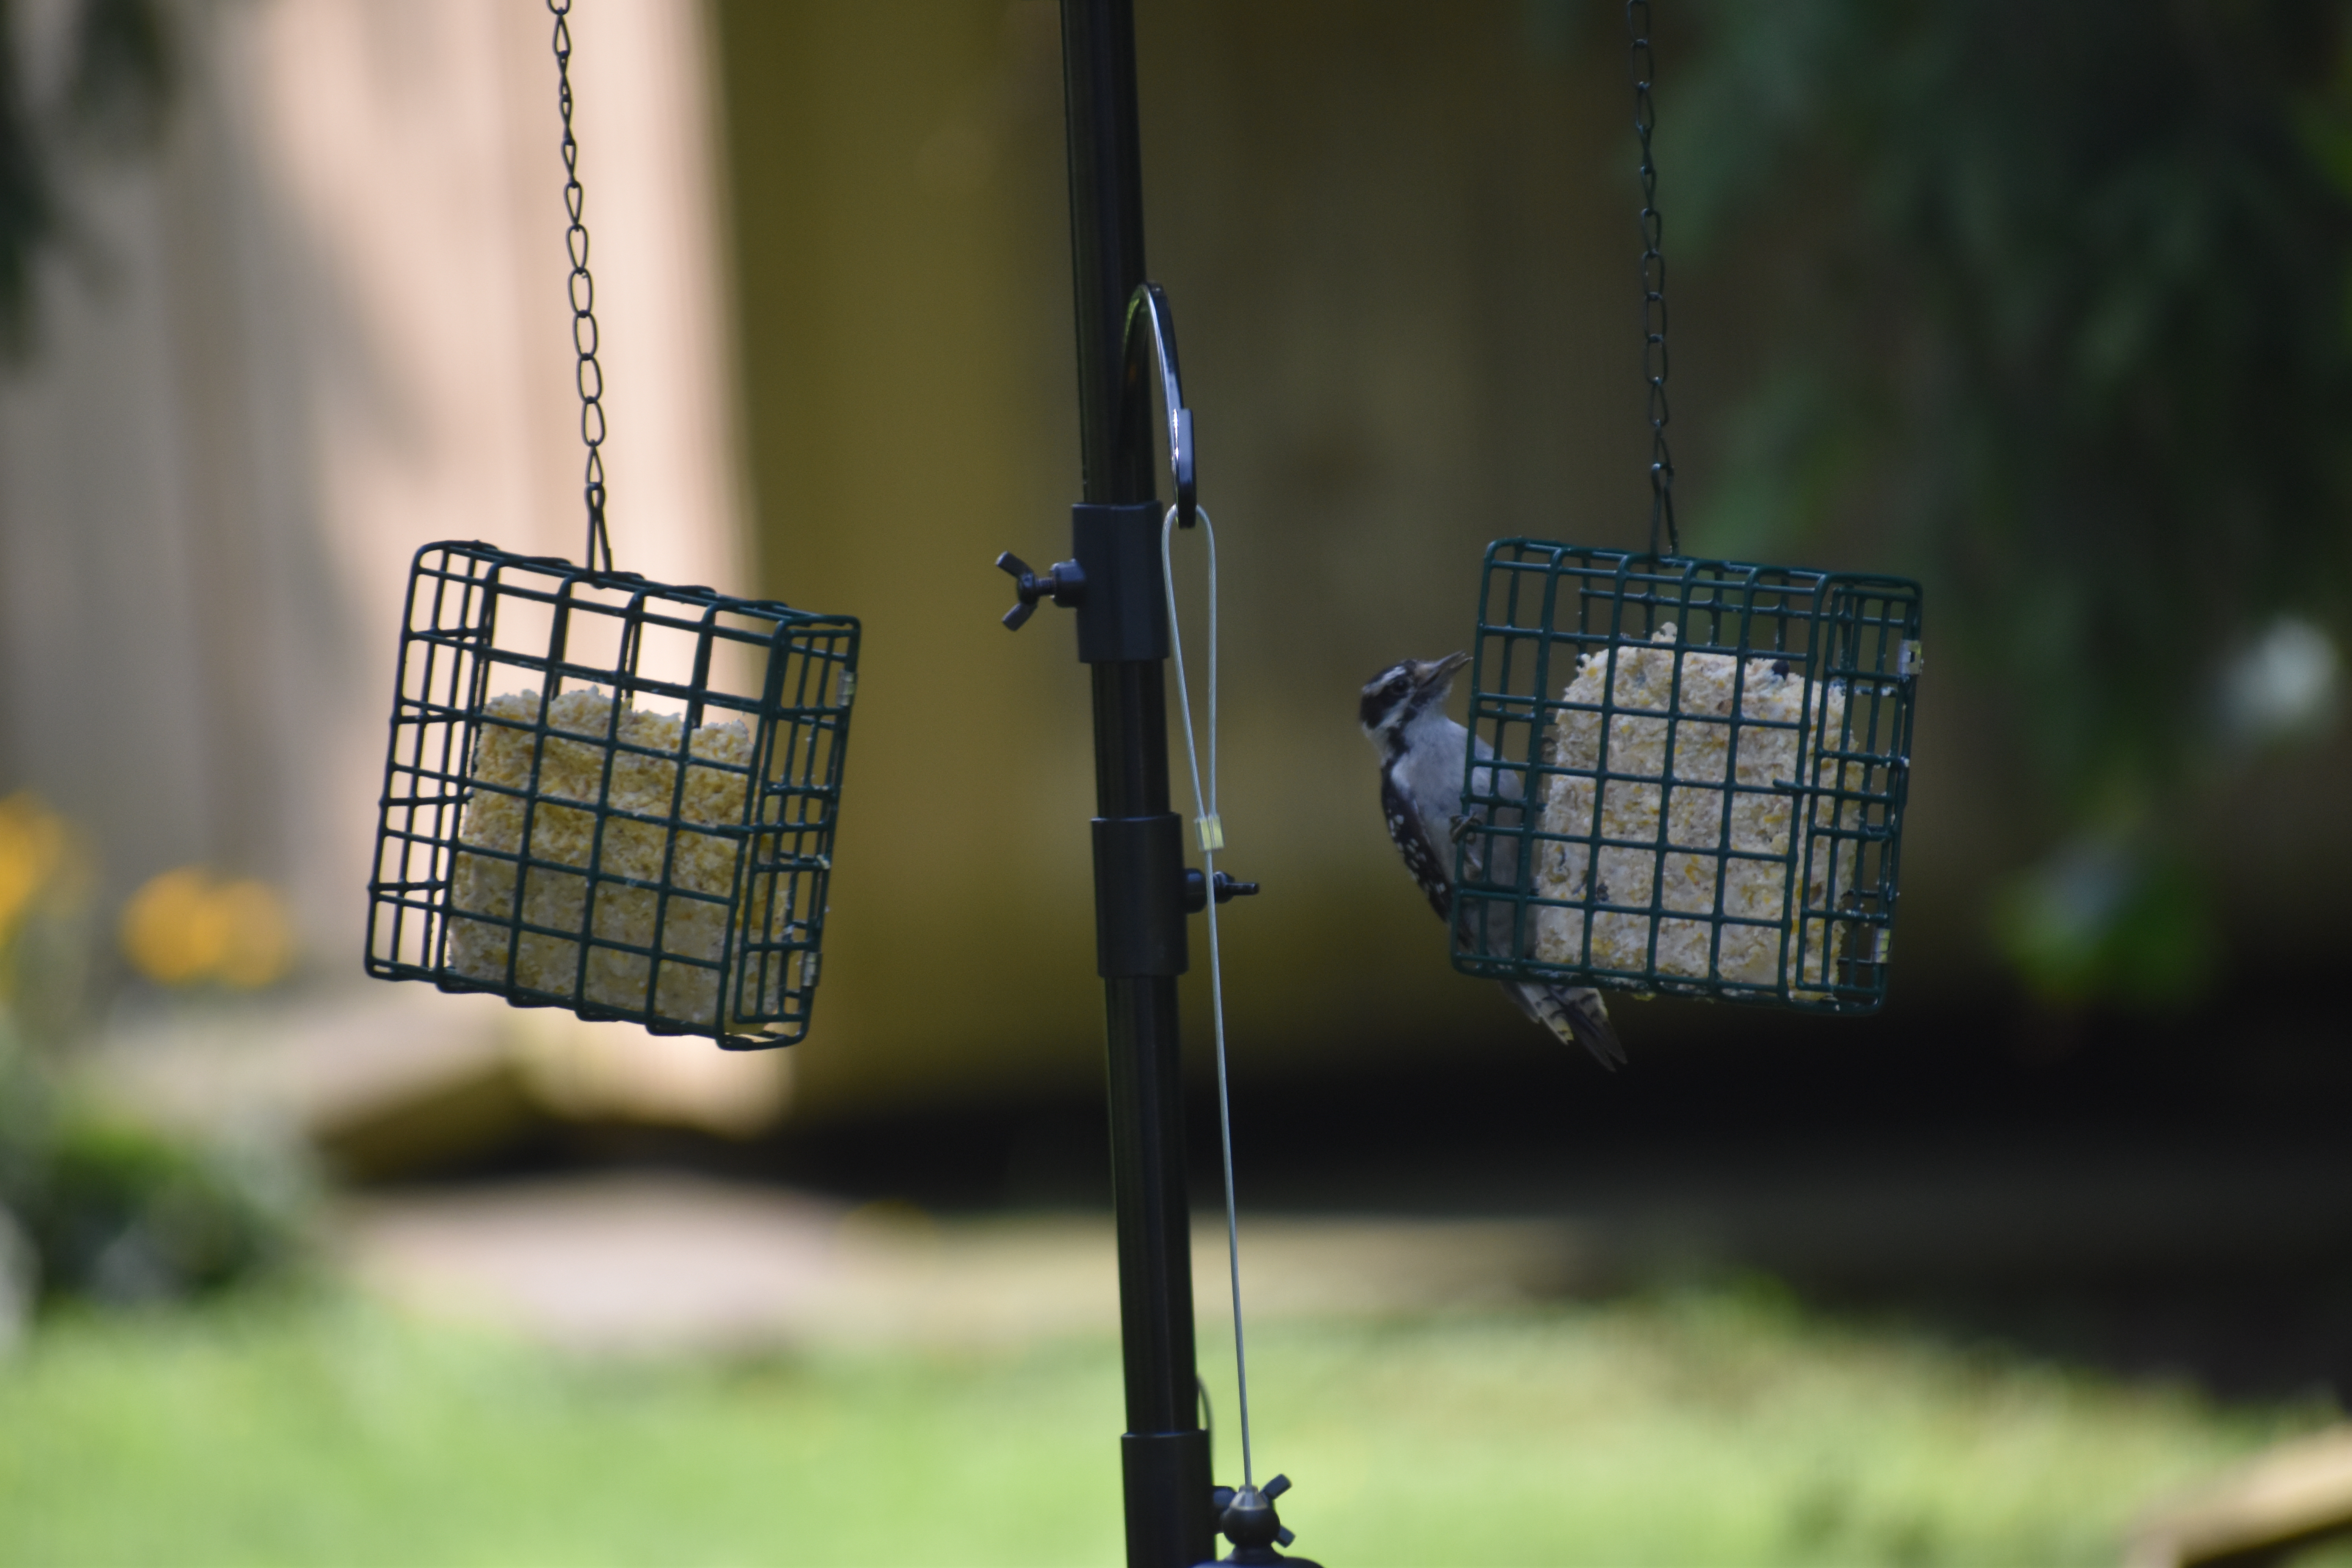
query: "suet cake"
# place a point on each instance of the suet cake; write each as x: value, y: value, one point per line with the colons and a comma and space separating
x: 630, y: 854
x: 1724, y: 861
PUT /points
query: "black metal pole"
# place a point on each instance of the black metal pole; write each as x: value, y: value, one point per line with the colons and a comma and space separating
x: 1139, y: 866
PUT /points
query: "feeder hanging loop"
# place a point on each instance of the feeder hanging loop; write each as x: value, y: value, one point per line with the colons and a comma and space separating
x: 1150, y: 304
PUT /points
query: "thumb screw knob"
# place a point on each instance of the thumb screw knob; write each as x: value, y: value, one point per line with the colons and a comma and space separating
x: 1065, y: 583
x: 1024, y: 585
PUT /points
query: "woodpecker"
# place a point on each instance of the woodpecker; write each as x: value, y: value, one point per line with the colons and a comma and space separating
x: 1421, y: 750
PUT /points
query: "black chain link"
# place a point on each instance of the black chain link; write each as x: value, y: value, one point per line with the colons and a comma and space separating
x: 587, y: 375
x: 1653, y: 286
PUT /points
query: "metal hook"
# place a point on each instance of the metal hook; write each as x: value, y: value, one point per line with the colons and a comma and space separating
x: 1149, y: 302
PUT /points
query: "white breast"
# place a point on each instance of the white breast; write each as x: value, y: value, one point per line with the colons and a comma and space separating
x: 1430, y: 771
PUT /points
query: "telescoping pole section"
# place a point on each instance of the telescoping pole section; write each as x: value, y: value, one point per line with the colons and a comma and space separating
x: 1138, y: 841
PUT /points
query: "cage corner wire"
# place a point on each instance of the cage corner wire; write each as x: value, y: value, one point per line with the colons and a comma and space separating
x: 543, y: 837
x: 1687, y: 776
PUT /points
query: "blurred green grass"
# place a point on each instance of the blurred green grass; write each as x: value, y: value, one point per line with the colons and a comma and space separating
x: 1708, y: 1427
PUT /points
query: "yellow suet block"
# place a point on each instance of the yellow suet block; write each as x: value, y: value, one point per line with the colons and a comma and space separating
x: 1779, y: 707
x: 574, y: 770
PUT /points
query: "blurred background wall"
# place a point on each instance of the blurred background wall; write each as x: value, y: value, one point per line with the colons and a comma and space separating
x: 320, y: 323
x: 311, y: 319
x: 1395, y: 243
x: 1400, y: 247
x: 321, y: 319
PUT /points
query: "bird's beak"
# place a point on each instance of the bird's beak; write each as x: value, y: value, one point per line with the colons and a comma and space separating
x: 1442, y: 671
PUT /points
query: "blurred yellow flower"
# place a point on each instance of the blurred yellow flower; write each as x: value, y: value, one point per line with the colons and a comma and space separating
x: 183, y: 927
x: 258, y: 948
x: 33, y: 846
x: 167, y: 929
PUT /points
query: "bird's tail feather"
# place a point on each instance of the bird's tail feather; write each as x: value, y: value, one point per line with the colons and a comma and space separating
x: 1573, y: 1013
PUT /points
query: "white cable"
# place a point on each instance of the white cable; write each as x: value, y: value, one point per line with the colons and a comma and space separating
x: 1210, y: 834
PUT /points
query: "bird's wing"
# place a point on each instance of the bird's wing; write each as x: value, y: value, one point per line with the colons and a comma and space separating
x: 1432, y: 868
x: 1572, y: 1013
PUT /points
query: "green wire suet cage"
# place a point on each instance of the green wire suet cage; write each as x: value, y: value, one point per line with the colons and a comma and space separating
x: 610, y: 795
x: 1688, y: 777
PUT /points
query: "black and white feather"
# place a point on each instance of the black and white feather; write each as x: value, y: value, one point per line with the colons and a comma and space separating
x: 1422, y: 761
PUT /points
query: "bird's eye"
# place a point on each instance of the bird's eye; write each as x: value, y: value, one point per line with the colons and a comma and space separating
x: 1397, y: 687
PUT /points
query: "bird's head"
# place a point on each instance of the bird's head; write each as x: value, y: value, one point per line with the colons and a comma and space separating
x: 1405, y: 691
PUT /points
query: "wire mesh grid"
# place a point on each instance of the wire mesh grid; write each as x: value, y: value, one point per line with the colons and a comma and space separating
x: 673, y: 864
x: 1687, y: 777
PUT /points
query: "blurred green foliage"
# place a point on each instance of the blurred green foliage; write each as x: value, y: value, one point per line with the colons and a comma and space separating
x: 2073, y: 322
x: 1712, y: 1427
x: 94, y: 1204
x: 2098, y: 918
x: 2063, y: 307
x: 107, y: 92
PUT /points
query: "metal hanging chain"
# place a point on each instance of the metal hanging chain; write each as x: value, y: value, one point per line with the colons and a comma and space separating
x: 1210, y: 830
x: 587, y: 375
x: 1653, y: 286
